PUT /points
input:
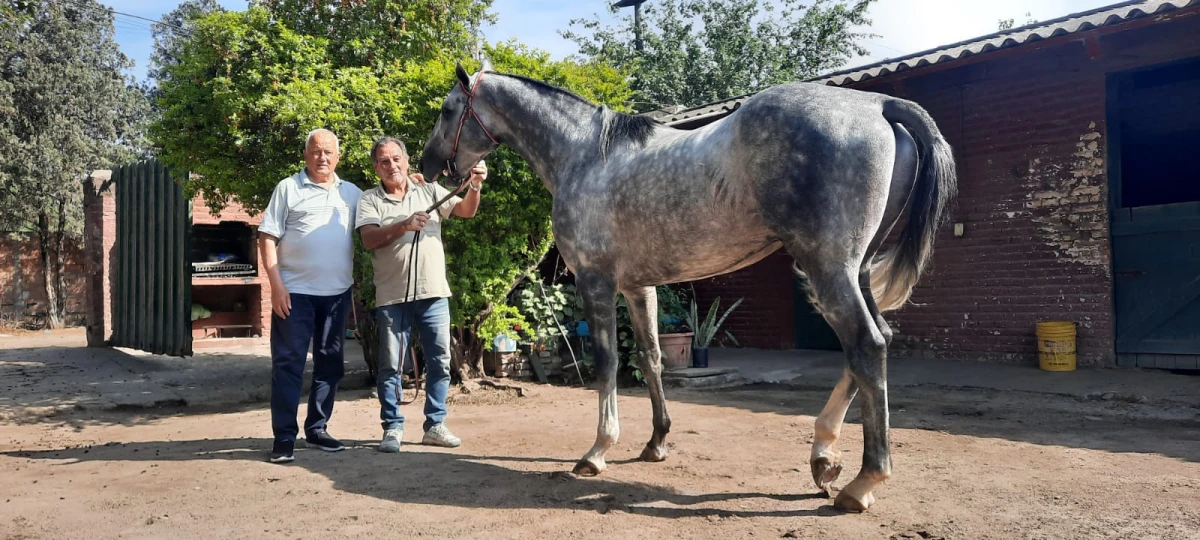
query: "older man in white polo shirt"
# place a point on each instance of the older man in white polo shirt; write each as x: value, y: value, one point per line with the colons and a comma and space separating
x: 306, y: 243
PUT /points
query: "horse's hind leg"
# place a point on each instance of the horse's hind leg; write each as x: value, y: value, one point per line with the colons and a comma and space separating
x: 826, y: 463
x: 839, y: 296
x: 599, y: 305
x: 643, y: 311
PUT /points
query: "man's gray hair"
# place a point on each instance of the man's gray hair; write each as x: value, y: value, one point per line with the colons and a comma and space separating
x: 320, y: 131
x: 384, y: 141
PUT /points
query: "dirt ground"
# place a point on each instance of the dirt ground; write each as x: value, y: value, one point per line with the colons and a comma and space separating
x: 968, y: 463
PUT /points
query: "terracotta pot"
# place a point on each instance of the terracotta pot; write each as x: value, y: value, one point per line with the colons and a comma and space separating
x: 676, y: 349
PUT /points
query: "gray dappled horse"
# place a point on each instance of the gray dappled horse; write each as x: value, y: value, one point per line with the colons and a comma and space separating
x: 822, y: 172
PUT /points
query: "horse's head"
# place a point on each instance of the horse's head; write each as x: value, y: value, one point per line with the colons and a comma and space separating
x: 461, y: 136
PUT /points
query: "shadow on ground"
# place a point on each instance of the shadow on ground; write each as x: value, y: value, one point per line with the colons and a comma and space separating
x: 1047, y: 420
x: 462, y: 481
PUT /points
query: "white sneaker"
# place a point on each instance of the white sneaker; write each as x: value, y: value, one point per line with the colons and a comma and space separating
x: 440, y: 435
x: 391, y: 441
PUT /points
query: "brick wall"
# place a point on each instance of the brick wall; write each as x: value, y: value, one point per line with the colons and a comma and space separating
x: 23, y: 286
x: 1029, y: 136
x: 764, y: 319
x: 99, y: 239
x: 1028, y: 140
x: 252, y: 294
x: 203, y: 215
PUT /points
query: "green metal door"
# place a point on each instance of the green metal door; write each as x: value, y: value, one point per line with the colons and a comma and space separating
x: 152, y: 300
x: 1154, y: 193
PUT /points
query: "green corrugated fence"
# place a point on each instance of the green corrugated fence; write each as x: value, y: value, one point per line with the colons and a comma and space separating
x: 152, y: 300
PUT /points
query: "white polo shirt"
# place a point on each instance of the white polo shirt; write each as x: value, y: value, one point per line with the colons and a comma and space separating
x: 315, y: 228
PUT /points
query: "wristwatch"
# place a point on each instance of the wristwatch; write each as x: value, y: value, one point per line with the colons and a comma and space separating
x: 471, y: 186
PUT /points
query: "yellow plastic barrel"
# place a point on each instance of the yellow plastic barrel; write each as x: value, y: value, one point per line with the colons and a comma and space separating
x: 1056, y: 345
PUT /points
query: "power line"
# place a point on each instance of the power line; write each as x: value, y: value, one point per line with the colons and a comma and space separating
x: 132, y: 22
x: 882, y: 46
x: 115, y: 12
x: 130, y: 28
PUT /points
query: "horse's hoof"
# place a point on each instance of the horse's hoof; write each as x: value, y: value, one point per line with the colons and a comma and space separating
x: 848, y: 503
x: 653, y: 454
x: 825, y: 472
x: 587, y: 468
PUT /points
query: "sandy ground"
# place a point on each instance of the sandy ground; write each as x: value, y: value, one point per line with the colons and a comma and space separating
x: 966, y: 466
x: 969, y: 463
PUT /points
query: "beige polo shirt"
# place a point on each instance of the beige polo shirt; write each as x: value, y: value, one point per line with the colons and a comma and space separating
x: 391, y: 263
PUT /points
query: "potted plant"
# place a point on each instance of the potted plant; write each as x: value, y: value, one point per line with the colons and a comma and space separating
x: 674, y: 338
x: 705, y: 330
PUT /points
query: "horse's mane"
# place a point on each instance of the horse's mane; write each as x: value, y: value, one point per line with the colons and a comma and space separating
x: 618, y: 126
x: 614, y: 126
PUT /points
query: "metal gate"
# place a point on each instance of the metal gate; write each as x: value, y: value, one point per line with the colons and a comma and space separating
x: 152, y: 300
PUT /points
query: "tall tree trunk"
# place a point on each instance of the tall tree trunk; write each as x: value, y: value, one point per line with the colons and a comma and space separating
x: 60, y: 261
x: 53, y: 320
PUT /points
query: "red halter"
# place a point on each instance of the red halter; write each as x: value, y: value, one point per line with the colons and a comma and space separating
x: 470, y: 110
x: 450, y: 167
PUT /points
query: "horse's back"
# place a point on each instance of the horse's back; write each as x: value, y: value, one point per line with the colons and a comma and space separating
x: 806, y: 108
x: 815, y: 98
x: 819, y: 159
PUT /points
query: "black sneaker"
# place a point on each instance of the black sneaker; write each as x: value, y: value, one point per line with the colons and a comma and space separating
x: 281, y: 452
x: 324, y: 441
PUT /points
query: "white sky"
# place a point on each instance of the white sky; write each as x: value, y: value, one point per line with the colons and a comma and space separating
x: 904, y: 26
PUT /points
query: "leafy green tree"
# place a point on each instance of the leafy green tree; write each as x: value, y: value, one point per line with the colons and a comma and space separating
x: 249, y: 85
x: 65, y: 109
x: 171, y: 31
x: 379, y: 33
x: 700, y: 51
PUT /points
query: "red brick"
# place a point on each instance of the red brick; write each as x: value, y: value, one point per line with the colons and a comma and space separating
x: 23, y: 285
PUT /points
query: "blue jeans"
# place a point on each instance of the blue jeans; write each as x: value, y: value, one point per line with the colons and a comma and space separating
x: 320, y: 320
x: 432, y: 319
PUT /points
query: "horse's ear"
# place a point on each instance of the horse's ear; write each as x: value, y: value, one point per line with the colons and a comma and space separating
x: 487, y: 64
x: 462, y: 75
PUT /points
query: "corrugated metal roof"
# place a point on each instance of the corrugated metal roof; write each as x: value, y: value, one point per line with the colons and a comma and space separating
x: 1070, y: 24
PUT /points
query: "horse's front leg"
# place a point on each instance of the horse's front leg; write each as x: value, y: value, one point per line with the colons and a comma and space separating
x: 599, y: 305
x: 643, y: 313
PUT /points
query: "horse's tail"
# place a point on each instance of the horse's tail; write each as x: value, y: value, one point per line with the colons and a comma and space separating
x: 895, y: 270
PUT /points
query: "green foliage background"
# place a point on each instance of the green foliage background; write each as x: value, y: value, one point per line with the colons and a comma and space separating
x: 246, y: 87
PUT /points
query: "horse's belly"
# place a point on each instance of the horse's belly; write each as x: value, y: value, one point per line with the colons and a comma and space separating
x: 660, y: 264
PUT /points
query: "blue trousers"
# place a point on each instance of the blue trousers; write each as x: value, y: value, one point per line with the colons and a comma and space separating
x: 432, y: 319
x: 321, y: 321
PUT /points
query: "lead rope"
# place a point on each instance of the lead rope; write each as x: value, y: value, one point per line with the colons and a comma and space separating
x: 410, y: 285
x: 412, y: 315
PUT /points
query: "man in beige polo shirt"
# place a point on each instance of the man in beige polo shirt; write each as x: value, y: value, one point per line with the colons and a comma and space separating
x: 388, y: 218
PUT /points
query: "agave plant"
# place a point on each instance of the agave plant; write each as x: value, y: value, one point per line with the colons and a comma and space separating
x: 707, y: 329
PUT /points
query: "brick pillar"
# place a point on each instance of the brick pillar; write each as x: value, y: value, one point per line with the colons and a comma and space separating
x: 99, y: 238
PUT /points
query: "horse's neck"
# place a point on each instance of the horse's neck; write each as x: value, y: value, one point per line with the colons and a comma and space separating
x: 552, y: 131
